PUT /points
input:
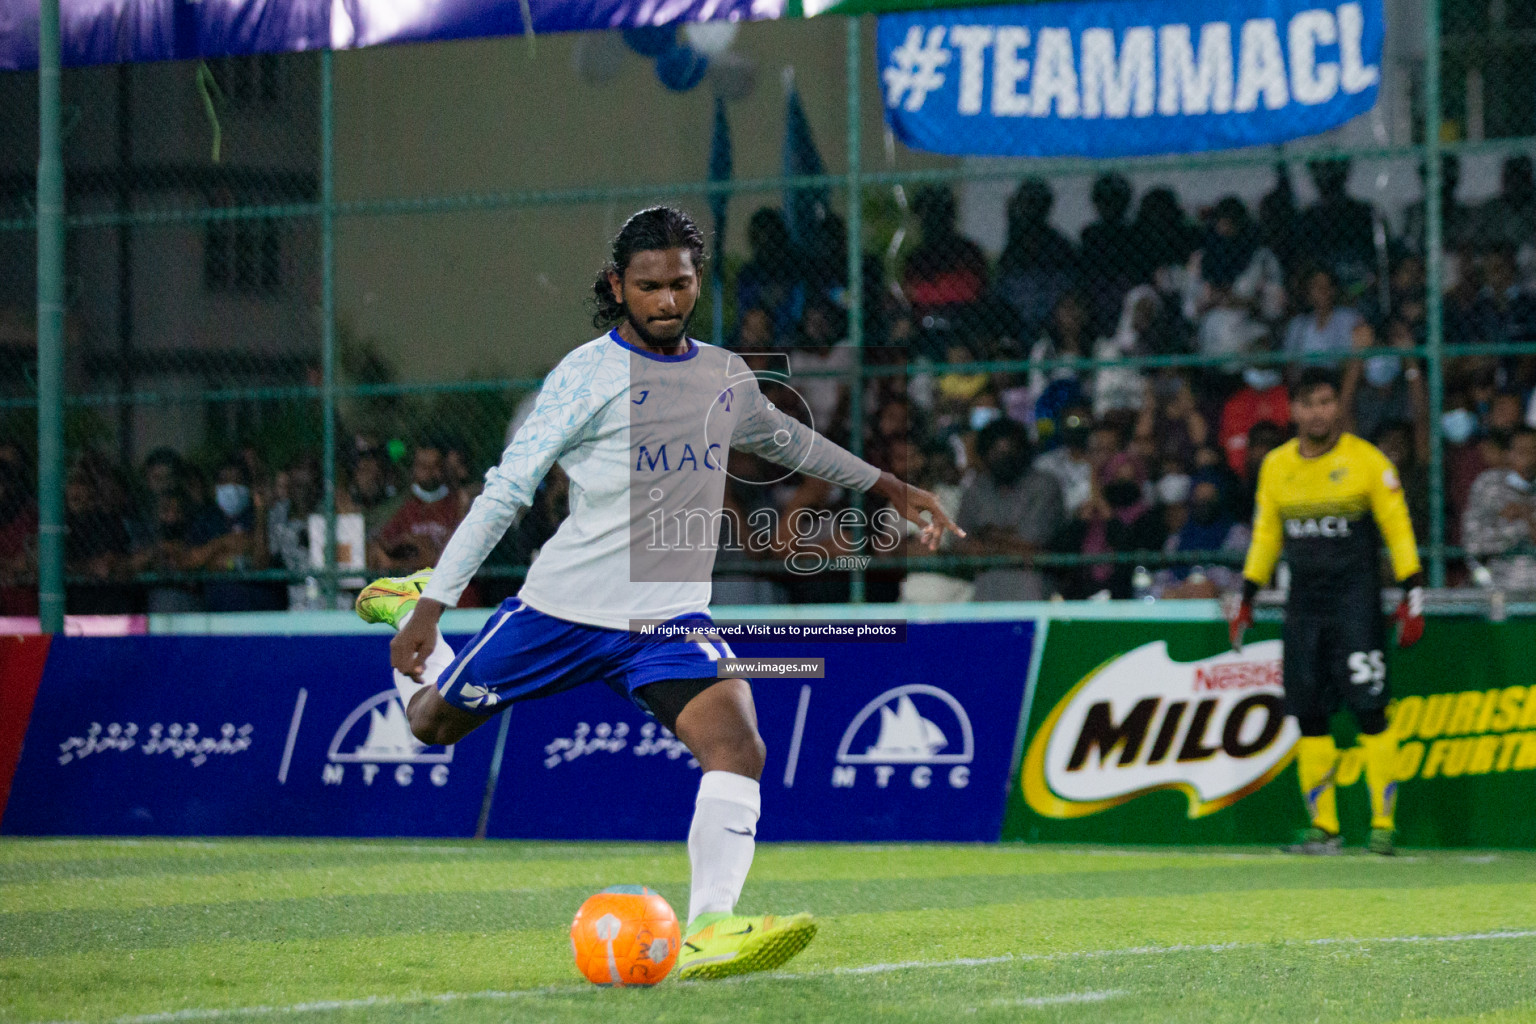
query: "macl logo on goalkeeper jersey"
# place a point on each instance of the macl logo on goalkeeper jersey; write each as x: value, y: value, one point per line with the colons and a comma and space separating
x: 376, y: 738
x: 1215, y: 729
x: 917, y: 734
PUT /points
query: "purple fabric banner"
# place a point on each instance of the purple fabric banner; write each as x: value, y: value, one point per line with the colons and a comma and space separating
x: 115, y: 31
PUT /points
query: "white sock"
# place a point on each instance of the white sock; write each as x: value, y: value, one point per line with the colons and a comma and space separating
x: 440, y: 658
x: 721, y: 841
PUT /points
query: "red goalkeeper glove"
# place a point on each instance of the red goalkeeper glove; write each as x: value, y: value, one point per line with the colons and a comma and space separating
x: 1410, y: 611
x: 1242, y: 618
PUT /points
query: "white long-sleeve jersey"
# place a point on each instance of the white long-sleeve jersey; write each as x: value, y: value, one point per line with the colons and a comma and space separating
x: 644, y: 440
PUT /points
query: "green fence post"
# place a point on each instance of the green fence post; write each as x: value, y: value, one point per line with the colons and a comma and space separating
x: 1435, y: 320
x: 328, y: 320
x: 50, y: 324
x: 855, y: 280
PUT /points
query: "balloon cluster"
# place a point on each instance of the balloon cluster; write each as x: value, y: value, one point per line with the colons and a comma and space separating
x: 682, y: 59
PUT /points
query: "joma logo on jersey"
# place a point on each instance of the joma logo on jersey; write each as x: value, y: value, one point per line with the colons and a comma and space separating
x: 930, y: 730
x: 1322, y: 526
x: 1215, y: 729
x: 647, y: 461
x: 387, y: 740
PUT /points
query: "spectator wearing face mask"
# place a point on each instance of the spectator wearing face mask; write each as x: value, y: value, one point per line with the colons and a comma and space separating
x: 1386, y: 388
x: 1499, y: 524
x: 231, y: 537
x: 415, y: 536
x: 1117, y: 519
x: 1208, y: 526
x: 1263, y: 398
x: 1008, y: 508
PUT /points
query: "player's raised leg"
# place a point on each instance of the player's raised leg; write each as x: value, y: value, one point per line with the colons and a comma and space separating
x: 391, y: 600
x: 719, y: 726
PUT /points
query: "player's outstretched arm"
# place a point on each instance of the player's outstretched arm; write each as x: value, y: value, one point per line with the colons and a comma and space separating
x: 912, y: 502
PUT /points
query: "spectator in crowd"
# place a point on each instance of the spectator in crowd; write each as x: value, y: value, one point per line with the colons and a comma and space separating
x: 754, y: 330
x: 1325, y: 327
x: 1117, y: 387
x: 1338, y: 231
x: 1164, y: 239
x: 161, y: 545
x: 1038, y: 264
x: 1008, y: 508
x: 772, y: 277
x: 819, y: 363
x: 945, y: 271
x: 1385, y: 388
x: 370, y: 491
x: 18, y: 534
x: 461, y: 478
x: 96, y: 544
x: 1499, y: 524
x: 934, y: 469
x: 1067, y: 336
x: 1277, y: 218
x: 296, y: 495
x: 415, y: 536
x: 1458, y: 227
x: 1468, y: 451
x: 1262, y: 398
x: 1208, y: 526
x: 1116, y: 519
x: 1110, y: 260
x: 231, y: 537
x: 1509, y: 218
x: 1406, y: 299
x: 1234, y: 284
x: 1263, y: 438
x: 1505, y: 310
x: 1406, y: 446
x: 1171, y: 426
x: 1085, y: 448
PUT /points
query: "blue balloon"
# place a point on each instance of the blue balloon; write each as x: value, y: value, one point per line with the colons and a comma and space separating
x: 651, y: 40
x: 681, y: 68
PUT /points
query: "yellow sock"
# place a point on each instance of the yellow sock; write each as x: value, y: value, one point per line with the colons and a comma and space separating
x: 1380, y: 776
x: 1317, y: 760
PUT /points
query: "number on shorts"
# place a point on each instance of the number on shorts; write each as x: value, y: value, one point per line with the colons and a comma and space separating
x: 1368, y: 667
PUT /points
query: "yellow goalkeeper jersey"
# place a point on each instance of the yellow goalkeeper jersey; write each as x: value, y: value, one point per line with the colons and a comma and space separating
x: 1328, y: 515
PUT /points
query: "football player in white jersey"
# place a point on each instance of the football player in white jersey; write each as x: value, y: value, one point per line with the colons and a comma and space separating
x: 641, y: 419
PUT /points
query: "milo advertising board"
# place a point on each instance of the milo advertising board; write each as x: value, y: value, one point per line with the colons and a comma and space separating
x: 1155, y: 732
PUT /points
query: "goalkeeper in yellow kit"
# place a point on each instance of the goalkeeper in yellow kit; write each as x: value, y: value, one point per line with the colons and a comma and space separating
x: 1327, y: 500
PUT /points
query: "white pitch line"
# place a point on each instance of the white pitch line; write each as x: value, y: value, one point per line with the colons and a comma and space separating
x: 217, y: 1013
x: 1069, y: 997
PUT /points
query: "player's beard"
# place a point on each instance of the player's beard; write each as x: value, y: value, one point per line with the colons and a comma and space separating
x: 653, y: 340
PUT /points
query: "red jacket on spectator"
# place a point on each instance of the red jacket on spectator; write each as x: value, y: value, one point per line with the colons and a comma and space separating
x: 1242, y: 411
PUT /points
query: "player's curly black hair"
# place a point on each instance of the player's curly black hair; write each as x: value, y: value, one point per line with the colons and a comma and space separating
x: 659, y: 227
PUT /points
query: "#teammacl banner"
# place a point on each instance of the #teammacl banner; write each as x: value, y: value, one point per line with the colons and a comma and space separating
x: 1121, y: 79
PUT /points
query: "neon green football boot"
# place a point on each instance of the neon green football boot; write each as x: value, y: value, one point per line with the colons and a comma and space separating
x: 391, y: 598
x: 723, y: 945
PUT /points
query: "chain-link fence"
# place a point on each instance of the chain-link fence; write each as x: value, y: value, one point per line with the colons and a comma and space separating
x: 309, y: 289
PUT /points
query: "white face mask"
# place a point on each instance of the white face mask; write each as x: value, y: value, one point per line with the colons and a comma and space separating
x: 1381, y: 371
x: 1458, y: 425
x: 1261, y: 378
x: 981, y: 415
x: 1519, y: 482
x: 1173, y: 489
x: 232, y: 499
x: 429, y: 497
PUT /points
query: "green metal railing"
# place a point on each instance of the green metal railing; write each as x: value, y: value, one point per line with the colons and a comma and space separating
x: 51, y: 220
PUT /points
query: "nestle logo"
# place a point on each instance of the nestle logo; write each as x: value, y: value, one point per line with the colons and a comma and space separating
x: 1240, y: 676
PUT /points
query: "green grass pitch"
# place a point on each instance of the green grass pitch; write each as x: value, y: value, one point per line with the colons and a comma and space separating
x: 344, y: 931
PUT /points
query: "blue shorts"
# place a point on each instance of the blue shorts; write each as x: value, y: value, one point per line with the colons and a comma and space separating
x: 523, y: 654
